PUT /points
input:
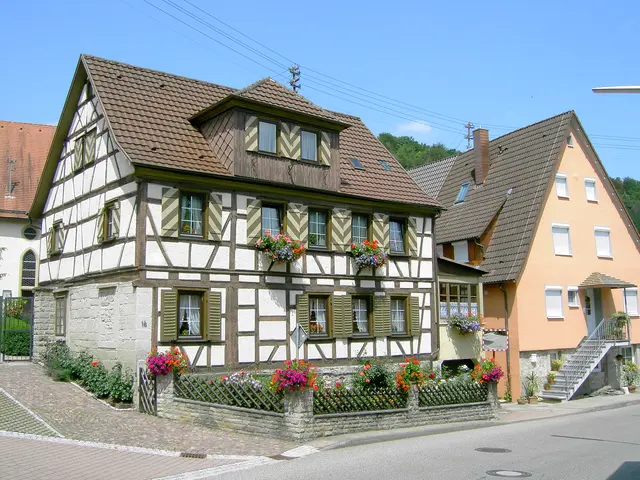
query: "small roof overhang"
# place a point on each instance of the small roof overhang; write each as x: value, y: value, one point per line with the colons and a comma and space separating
x: 444, y: 262
x: 600, y: 280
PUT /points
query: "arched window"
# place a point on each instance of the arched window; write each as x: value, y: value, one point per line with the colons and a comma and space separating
x: 29, y: 269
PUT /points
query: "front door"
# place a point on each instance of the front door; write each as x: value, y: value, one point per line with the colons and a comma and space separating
x: 590, y: 310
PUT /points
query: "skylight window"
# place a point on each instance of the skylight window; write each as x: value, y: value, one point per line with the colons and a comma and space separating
x: 357, y: 164
x: 385, y: 165
x: 462, y: 193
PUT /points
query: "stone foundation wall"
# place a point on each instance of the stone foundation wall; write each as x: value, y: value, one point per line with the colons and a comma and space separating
x: 44, y: 309
x: 299, y: 422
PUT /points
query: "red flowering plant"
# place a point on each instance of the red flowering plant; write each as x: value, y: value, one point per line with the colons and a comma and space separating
x: 368, y: 254
x: 171, y: 361
x: 486, y: 371
x: 297, y: 375
x: 410, y: 373
x: 372, y: 377
x: 280, y: 248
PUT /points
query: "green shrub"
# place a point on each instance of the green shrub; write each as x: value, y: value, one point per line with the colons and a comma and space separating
x: 120, y: 384
x: 17, y: 344
x: 372, y: 377
x: 96, y: 380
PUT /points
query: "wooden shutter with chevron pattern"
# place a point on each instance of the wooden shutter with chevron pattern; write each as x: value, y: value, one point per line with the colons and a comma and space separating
x: 251, y: 133
x: 116, y: 220
x: 412, y: 238
x: 381, y: 316
x: 90, y: 147
x: 214, y: 217
x: 169, y: 316
x: 170, y: 212
x: 325, y: 149
x: 414, y: 310
x: 79, y: 153
x: 214, y: 320
x: 50, y: 240
x: 100, y: 230
x: 302, y: 311
x: 290, y: 143
x: 380, y: 229
x: 59, y: 238
x: 254, y: 221
x: 298, y: 222
x: 341, y: 229
x: 342, y: 316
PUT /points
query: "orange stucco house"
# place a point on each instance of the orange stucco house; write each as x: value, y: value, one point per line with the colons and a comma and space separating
x: 536, y: 209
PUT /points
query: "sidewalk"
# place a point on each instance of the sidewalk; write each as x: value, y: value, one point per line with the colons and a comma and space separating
x: 508, y: 413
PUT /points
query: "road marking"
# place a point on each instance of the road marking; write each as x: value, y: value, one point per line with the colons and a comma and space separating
x: 301, y: 451
x: 595, y: 439
x: 33, y: 415
x: 216, y: 471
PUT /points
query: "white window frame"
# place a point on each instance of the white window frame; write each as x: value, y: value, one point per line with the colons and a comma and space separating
x: 465, y: 258
x: 576, y: 304
x: 589, y: 180
x: 555, y: 250
x: 304, y: 134
x: 626, y: 303
x: 570, y: 140
x: 565, y: 180
x: 603, y: 229
x: 553, y: 288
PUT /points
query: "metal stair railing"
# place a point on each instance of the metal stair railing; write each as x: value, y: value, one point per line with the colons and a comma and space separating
x: 591, y: 349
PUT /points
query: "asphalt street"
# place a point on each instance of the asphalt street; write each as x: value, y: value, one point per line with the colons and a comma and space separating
x: 601, y: 445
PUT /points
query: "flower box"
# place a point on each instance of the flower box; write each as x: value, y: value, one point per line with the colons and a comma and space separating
x: 465, y: 324
x: 280, y: 248
x: 368, y: 255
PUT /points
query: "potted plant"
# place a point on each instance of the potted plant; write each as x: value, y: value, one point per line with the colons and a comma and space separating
x: 531, y: 387
x: 465, y: 324
x: 280, y: 248
x: 522, y: 400
x: 551, y: 377
x: 486, y: 371
x: 368, y: 254
x: 619, y: 321
x: 630, y: 375
x: 556, y: 365
x: 547, y: 386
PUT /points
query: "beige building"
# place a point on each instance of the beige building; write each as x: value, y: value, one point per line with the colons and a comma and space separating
x: 536, y: 209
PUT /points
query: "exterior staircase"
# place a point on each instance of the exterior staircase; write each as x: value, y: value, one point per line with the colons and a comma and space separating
x: 577, y: 367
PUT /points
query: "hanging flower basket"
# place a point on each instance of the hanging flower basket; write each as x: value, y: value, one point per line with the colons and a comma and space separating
x: 280, y: 248
x: 368, y: 254
x: 465, y: 324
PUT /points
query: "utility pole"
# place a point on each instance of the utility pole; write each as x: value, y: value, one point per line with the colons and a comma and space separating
x: 468, y: 136
x: 295, y: 77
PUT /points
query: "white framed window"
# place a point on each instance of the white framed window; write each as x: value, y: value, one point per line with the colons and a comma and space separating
x: 590, y: 189
x: 461, y: 251
x: 573, y: 300
x: 397, y: 229
x: 561, y: 238
x: 631, y: 301
x: 562, y: 187
x: 553, y: 301
x: 309, y: 145
x: 603, y: 241
x: 267, y: 135
x: 398, y: 316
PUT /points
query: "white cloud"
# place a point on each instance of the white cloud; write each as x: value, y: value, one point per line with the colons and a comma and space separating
x: 413, y: 128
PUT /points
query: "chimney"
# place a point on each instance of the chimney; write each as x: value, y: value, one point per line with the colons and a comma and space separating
x: 481, y: 154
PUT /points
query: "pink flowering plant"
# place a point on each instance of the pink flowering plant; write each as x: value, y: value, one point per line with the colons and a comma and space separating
x: 487, y: 371
x: 163, y: 363
x: 368, y: 254
x: 297, y: 375
x: 280, y: 248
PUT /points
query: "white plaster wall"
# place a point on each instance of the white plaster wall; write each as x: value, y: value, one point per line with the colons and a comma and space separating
x: 16, y: 246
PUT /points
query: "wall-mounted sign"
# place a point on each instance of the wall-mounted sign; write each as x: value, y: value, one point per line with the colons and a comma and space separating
x: 495, y: 339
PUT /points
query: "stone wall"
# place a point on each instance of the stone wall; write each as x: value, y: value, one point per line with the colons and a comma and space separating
x: 44, y: 308
x: 299, y: 422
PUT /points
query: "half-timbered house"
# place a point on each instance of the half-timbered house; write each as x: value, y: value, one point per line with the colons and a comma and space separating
x: 155, y: 192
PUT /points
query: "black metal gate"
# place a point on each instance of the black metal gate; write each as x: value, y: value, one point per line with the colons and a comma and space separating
x: 16, y: 328
x: 147, y: 392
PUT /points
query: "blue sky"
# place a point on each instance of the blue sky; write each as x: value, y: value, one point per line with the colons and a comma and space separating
x: 498, y: 64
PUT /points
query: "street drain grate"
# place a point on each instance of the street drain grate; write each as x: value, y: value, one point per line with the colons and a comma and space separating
x: 193, y: 455
x: 508, y: 473
x: 493, y: 450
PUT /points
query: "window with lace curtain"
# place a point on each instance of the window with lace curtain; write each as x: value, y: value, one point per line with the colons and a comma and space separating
x: 190, y: 314
x: 361, y: 315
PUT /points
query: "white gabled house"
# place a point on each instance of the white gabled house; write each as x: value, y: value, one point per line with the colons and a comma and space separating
x: 157, y: 188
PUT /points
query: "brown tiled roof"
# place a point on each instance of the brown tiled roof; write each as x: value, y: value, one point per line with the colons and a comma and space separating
x: 521, y: 162
x: 27, y: 144
x: 149, y: 113
x: 431, y: 177
x: 600, y: 280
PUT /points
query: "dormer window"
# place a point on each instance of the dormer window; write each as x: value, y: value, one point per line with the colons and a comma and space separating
x: 570, y: 141
x: 309, y: 146
x: 462, y: 193
x: 267, y: 134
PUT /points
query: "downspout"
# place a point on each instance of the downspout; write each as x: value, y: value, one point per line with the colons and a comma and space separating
x: 506, y: 326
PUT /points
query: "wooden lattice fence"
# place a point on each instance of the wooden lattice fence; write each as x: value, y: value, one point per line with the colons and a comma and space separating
x: 345, y: 401
x: 217, y: 391
x: 452, y: 394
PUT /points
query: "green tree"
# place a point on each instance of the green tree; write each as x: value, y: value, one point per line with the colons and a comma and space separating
x: 629, y: 191
x: 411, y: 153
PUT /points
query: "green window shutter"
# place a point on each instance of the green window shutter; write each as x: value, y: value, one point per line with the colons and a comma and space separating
x: 380, y: 229
x: 302, y: 311
x: 342, y: 316
x: 414, y: 310
x: 298, y: 222
x: 116, y: 219
x: 170, y: 212
x: 214, y: 217
x: 100, y: 225
x: 325, y: 149
x: 169, y: 317
x: 79, y: 153
x: 381, y: 316
x: 254, y: 221
x: 251, y: 133
x: 412, y: 238
x: 290, y: 140
x: 90, y: 147
x: 341, y: 229
x: 214, y: 322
